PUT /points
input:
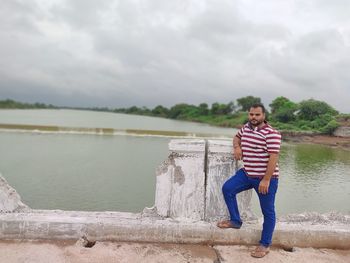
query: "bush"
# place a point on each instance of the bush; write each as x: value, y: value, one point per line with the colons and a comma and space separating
x: 330, y: 127
x: 312, y: 109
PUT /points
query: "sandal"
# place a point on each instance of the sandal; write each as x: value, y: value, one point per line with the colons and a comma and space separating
x: 227, y: 224
x: 260, y: 252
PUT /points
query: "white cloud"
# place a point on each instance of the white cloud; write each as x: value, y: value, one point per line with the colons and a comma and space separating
x: 133, y: 52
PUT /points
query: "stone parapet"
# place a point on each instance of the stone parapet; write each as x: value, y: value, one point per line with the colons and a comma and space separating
x: 131, y: 227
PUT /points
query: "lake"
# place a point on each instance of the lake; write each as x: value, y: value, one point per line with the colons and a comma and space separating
x: 77, y: 170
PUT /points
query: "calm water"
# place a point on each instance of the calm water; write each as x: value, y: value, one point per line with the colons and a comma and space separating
x: 92, y: 119
x: 94, y: 172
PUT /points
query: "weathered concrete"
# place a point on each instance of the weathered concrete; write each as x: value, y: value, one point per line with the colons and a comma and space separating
x: 180, y: 181
x: 126, y: 252
x: 221, y: 166
x: 189, y: 182
x: 342, y: 132
x: 10, y: 200
x: 117, y: 226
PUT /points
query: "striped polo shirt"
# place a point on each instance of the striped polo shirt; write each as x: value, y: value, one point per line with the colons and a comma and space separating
x: 257, y: 144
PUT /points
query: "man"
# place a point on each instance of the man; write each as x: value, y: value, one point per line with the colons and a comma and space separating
x: 258, y: 145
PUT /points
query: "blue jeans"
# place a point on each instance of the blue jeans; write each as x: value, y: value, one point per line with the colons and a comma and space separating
x: 241, y: 182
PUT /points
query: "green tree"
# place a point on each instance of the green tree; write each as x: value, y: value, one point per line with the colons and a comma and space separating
x: 160, y: 111
x: 246, y: 102
x: 278, y: 103
x: 215, y: 108
x: 133, y: 110
x: 312, y: 109
x: 222, y: 109
x: 11, y: 104
x: 177, y: 110
x: 283, y: 110
x: 203, y: 109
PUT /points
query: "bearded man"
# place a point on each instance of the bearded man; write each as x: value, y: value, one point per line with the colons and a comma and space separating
x: 258, y: 145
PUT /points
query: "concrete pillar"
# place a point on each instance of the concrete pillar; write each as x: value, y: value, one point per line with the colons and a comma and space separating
x: 180, y: 184
x: 220, y: 167
x: 189, y: 182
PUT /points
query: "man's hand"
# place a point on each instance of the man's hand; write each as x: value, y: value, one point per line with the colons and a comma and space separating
x: 264, y: 186
x: 237, y: 153
x: 271, y: 166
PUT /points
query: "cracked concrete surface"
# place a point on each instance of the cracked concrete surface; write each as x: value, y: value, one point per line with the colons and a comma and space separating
x: 108, y: 252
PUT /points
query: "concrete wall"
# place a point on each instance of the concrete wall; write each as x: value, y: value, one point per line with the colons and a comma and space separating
x: 116, y: 226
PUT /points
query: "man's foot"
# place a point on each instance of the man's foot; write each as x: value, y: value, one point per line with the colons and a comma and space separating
x: 228, y: 224
x: 260, y: 252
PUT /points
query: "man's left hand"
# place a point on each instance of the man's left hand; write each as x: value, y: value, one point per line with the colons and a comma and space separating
x: 264, y: 186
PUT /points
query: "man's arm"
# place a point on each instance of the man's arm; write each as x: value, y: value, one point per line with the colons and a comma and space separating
x: 271, y: 166
x: 237, y: 151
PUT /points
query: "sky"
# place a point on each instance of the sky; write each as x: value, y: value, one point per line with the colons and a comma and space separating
x: 88, y: 53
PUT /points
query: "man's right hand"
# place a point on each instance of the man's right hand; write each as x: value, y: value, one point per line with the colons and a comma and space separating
x: 237, y: 153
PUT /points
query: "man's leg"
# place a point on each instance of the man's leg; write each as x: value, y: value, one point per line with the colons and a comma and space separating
x: 236, y: 184
x: 267, y: 204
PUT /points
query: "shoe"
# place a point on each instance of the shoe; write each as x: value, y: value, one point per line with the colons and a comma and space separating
x: 228, y: 224
x: 260, y: 252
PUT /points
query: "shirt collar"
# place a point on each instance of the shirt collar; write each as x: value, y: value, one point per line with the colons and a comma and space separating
x: 258, y: 129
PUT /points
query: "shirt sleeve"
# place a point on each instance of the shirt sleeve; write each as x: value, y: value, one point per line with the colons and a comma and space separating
x: 240, y: 133
x: 273, y: 142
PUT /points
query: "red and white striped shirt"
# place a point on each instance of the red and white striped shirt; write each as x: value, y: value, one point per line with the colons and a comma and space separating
x: 257, y: 144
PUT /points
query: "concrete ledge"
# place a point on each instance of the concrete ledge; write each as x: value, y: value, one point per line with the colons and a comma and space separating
x: 118, y: 226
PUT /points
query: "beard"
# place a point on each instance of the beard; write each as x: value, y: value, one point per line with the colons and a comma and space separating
x: 255, y: 123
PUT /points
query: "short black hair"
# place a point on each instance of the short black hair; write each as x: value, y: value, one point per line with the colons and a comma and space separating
x: 258, y: 105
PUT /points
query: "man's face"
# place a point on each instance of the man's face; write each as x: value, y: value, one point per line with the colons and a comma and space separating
x: 256, y: 116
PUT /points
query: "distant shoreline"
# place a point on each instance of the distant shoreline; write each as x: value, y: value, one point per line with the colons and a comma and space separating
x: 293, y: 136
x: 285, y: 115
x: 328, y: 140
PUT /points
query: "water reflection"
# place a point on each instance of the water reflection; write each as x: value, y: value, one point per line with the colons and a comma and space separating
x: 313, y: 178
x: 311, y: 160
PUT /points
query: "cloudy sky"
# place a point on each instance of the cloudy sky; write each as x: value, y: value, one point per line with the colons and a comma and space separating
x: 133, y: 52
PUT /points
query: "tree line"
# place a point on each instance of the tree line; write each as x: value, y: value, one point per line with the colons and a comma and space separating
x: 11, y: 104
x: 307, y: 115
